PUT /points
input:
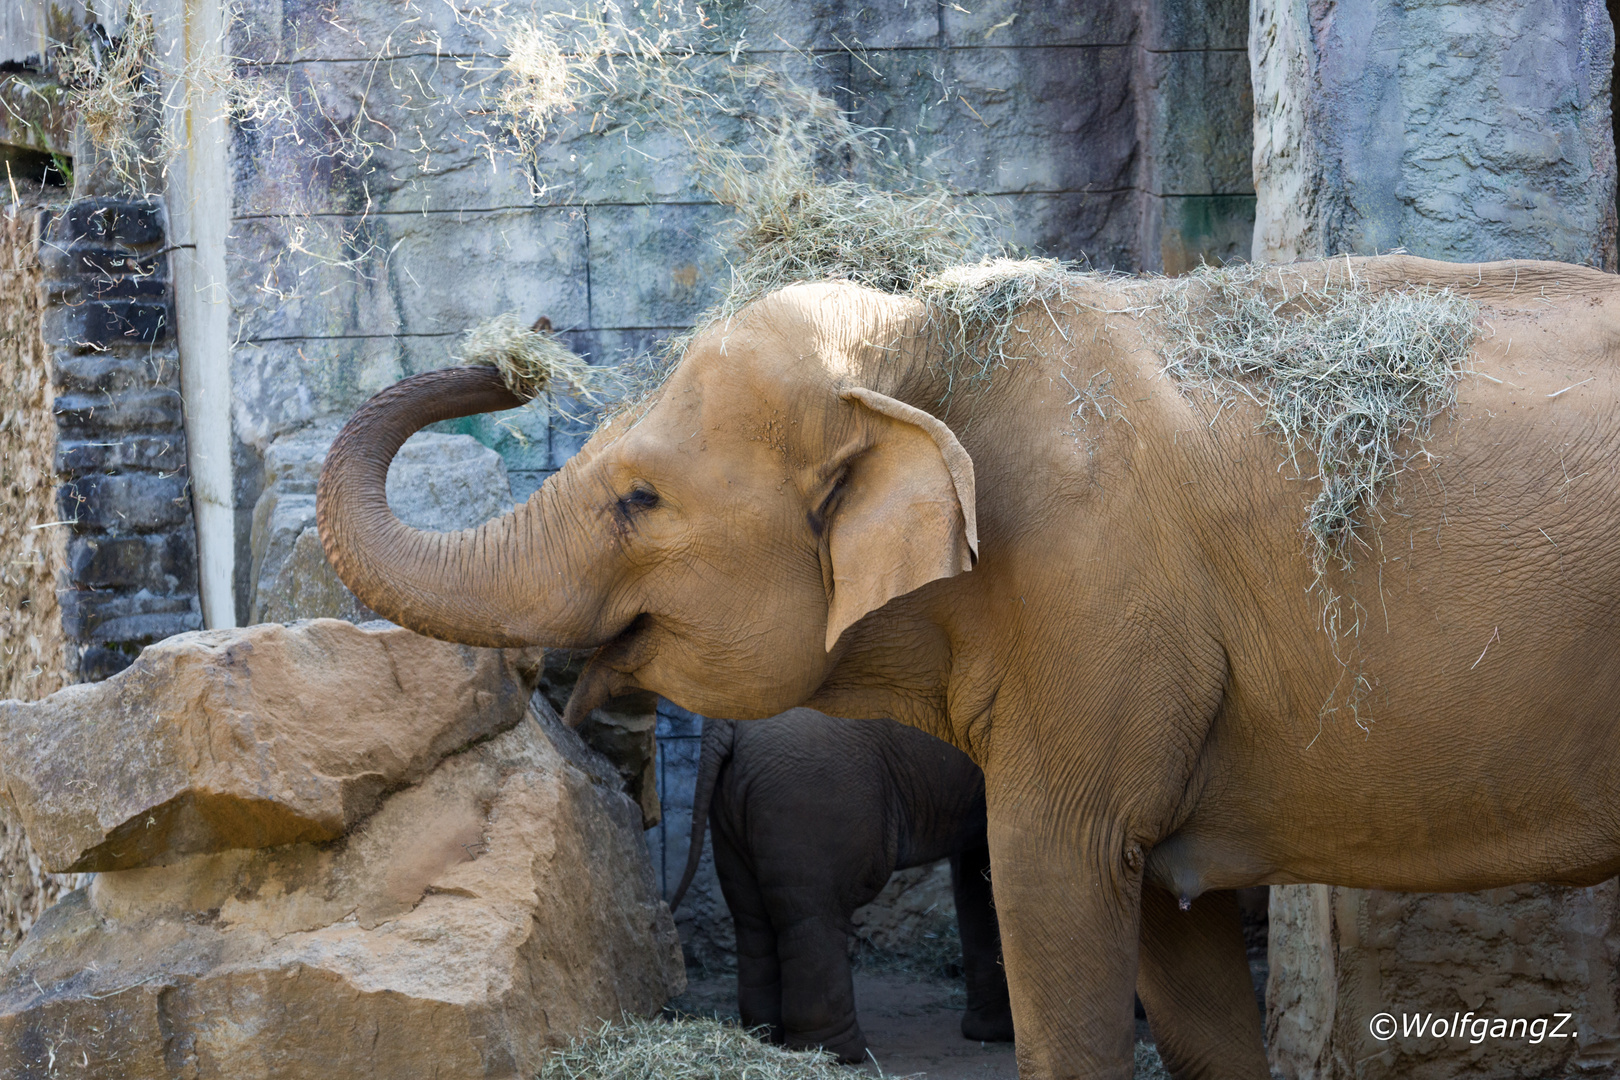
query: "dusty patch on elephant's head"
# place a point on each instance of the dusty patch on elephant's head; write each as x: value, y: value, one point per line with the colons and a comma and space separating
x: 1350, y: 376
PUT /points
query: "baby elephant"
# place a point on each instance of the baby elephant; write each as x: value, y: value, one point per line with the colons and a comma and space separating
x: 810, y: 815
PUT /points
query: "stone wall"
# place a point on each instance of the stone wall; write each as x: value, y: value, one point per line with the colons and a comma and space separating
x: 132, y: 565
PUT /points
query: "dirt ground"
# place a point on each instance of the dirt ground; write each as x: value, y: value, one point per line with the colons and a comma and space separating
x: 912, y: 1024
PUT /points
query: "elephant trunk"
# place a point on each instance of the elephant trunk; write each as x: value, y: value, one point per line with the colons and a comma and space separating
x: 487, y: 586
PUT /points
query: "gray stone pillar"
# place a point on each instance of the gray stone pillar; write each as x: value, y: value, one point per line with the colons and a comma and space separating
x: 1461, y: 132
x: 1455, y: 131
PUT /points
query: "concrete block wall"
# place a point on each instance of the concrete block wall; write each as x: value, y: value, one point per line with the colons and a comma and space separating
x: 1113, y: 133
x: 1197, y: 186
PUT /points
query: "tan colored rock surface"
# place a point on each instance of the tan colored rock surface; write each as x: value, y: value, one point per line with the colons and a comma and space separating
x: 244, y: 739
x: 913, y: 912
x: 499, y: 906
x: 1340, y: 957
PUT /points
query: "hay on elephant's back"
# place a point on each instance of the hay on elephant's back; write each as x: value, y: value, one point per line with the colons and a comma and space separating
x: 687, y: 1048
x: 1350, y: 376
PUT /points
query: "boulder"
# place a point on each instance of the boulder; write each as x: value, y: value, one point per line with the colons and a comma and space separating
x: 914, y: 917
x: 499, y: 906
x: 245, y: 738
x: 624, y: 731
x: 1340, y: 957
x: 439, y: 482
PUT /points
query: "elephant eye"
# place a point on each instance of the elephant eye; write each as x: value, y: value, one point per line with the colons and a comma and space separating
x: 638, y: 498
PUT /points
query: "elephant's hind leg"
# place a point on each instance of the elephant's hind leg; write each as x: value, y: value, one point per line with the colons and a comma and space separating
x: 759, y: 974
x: 1193, y: 979
x: 818, y: 988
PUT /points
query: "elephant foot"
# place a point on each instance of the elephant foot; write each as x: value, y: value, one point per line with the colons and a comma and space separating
x: 993, y: 1024
x: 848, y: 1053
x: 849, y: 1047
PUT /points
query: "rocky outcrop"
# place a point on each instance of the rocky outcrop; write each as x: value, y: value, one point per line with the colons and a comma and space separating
x: 327, y: 850
x: 1342, y: 957
x: 1456, y: 131
x: 244, y: 738
x: 501, y: 905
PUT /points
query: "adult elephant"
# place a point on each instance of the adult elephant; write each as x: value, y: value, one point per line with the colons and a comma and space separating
x: 1137, y: 659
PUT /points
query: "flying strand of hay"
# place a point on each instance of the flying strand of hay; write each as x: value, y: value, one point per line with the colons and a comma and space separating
x: 814, y: 196
x: 1344, y: 374
x: 110, y: 88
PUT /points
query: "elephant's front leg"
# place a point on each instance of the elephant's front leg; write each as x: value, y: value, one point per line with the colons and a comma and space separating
x: 988, y: 1016
x: 818, y: 988
x: 1194, y: 983
x: 1067, y: 895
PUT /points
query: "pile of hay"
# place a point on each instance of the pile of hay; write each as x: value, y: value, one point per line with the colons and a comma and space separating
x: 1350, y: 376
x: 970, y: 310
x: 687, y: 1048
x: 690, y: 1048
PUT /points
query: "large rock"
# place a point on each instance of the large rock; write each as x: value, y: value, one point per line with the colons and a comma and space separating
x: 1457, y: 131
x: 439, y: 482
x: 245, y: 738
x: 624, y: 731
x: 1341, y: 957
x: 501, y: 905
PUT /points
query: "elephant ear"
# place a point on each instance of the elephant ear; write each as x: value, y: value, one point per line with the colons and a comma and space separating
x: 906, y: 516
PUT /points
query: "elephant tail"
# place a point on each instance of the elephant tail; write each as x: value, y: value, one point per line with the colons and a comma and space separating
x: 719, y: 736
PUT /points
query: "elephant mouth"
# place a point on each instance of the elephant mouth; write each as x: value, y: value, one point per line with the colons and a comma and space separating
x: 611, y: 670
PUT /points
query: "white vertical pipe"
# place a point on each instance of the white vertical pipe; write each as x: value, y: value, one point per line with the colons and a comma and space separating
x: 199, y: 201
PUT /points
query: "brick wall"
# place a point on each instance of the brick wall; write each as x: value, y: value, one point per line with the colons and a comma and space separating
x: 131, y: 574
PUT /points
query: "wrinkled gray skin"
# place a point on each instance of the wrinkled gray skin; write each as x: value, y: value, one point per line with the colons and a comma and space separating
x: 810, y: 815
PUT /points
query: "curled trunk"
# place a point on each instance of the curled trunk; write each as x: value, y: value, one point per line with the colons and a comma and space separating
x: 476, y: 586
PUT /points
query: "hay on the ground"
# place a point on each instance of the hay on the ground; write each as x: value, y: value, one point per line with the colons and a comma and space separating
x: 532, y: 361
x: 1343, y: 373
x: 686, y: 1048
